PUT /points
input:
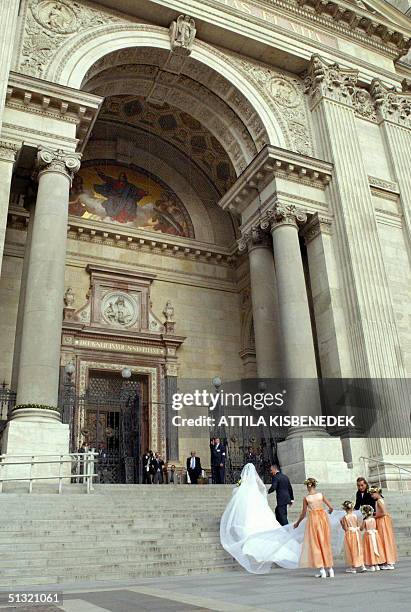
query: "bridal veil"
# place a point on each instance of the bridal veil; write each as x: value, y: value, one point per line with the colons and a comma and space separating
x: 250, y: 533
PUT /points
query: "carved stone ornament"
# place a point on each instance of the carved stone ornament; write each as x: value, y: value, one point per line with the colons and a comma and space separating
x: 119, y: 309
x: 182, y: 34
x: 168, y: 311
x: 329, y: 81
x: 49, y: 24
x: 255, y: 237
x: 8, y: 150
x: 283, y: 214
x: 390, y: 104
x: 69, y: 298
x: 58, y: 161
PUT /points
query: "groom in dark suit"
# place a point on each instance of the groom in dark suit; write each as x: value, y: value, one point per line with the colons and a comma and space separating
x: 285, y: 496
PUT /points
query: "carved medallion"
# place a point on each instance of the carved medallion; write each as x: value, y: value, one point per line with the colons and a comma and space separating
x: 56, y: 16
x: 119, y: 309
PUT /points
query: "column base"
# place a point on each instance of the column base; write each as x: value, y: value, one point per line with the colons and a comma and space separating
x: 321, y: 458
x: 35, y: 432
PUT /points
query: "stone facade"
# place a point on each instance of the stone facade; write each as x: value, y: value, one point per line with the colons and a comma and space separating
x: 237, y: 197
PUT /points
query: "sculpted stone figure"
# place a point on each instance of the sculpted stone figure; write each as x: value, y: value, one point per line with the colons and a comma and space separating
x: 69, y: 298
x: 182, y: 34
x: 168, y: 312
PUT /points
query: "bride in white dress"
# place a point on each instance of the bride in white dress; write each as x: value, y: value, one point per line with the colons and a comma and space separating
x: 251, y: 534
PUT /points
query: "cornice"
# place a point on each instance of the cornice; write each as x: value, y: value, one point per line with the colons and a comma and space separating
x: 393, y: 37
x: 146, y: 241
x: 272, y: 162
x: 39, y: 97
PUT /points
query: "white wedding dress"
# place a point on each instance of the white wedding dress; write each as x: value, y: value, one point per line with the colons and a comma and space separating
x: 251, y: 534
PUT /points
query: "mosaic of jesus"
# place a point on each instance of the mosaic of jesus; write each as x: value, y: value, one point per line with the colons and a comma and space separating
x: 128, y: 196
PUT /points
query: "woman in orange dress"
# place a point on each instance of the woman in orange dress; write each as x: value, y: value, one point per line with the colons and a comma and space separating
x: 385, y: 529
x: 352, y: 543
x: 316, y: 550
x: 373, y: 551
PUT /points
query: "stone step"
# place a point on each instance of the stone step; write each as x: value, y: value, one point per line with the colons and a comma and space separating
x: 96, y: 574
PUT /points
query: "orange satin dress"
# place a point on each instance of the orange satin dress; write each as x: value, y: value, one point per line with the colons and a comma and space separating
x: 386, y: 532
x: 354, y: 556
x: 373, y: 550
x: 316, y: 550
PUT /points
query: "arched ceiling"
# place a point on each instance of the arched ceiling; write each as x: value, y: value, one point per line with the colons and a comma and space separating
x: 179, y: 129
x: 195, y: 90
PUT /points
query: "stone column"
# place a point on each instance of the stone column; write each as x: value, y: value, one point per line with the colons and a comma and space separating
x: 7, y: 158
x: 305, y: 448
x: 264, y: 302
x: 297, y: 340
x: 22, y: 299
x: 38, y: 375
x: 32, y: 430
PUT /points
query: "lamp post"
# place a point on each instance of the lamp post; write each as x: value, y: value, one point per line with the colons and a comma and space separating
x: 69, y: 397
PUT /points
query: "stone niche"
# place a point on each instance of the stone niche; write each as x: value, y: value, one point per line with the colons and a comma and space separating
x: 117, y: 301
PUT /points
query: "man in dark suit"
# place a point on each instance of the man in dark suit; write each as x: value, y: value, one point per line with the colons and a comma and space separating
x: 218, y: 457
x: 157, y: 469
x: 194, y: 468
x: 285, y: 496
x: 363, y: 498
x: 145, y: 460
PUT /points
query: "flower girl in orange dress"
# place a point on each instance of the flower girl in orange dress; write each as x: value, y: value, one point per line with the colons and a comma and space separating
x: 316, y: 550
x: 385, y: 530
x: 373, y: 551
x: 352, y: 542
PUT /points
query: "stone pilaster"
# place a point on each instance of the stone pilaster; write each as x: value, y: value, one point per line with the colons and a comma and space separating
x: 41, y: 334
x: 8, y: 21
x: 264, y: 300
x: 171, y: 431
x: 7, y: 157
x: 326, y: 297
x: 372, y: 330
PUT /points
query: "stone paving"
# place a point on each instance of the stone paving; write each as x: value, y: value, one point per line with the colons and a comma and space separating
x: 280, y: 591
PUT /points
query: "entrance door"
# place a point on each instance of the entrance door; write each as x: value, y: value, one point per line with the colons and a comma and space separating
x: 115, y: 424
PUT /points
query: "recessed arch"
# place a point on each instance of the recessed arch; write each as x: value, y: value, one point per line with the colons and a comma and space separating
x: 75, y: 58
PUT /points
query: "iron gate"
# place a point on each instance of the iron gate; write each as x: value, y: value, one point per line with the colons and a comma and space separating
x: 108, y: 419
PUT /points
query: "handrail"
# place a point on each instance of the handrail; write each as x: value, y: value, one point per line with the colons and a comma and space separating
x: 379, y: 462
x: 83, y: 466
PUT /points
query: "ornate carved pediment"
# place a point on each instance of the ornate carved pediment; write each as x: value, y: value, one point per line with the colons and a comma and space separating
x: 117, y: 301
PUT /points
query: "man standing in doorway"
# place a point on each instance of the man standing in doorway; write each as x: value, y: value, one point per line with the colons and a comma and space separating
x: 194, y: 467
x: 218, y: 457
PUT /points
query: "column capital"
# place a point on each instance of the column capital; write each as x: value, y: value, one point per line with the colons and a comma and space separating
x: 390, y: 104
x: 315, y: 226
x: 329, y: 81
x: 283, y: 214
x: 57, y: 161
x: 8, y: 150
x: 254, y: 238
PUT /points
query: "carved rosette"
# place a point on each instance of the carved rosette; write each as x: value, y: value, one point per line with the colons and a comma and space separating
x: 254, y: 238
x: 390, y: 104
x: 283, y: 214
x: 8, y: 151
x: 57, y: 161
x: 329, y: 81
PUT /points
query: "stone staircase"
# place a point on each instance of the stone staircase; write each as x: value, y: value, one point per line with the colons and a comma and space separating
x: 129, y: 531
